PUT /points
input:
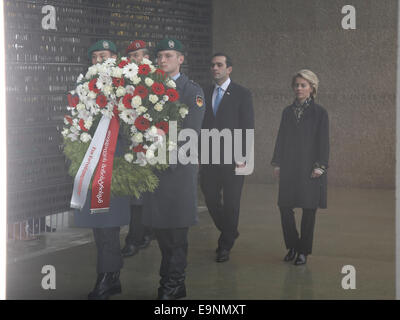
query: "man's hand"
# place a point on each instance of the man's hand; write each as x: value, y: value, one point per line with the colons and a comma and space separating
x: 316, y: 173
x: 240, y: 164
x: 277, y: 171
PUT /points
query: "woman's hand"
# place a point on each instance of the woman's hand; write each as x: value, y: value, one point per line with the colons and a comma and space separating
x: 276, y: 172
x: 316, y: 173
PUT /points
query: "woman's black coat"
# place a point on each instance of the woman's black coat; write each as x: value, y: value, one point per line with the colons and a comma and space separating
x: 299, y: 148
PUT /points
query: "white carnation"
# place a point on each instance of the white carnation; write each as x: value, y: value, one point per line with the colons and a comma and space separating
x: 153, y: 98
x: 141, y: 110
x: 80, y: 78
x: 128, y: 157
x: 92, y: 95
x: 120, y: 92
x: 158, y: 107
x: 138, y: 137
x: 146, y: 61
x: 91, y: 72
x: 147, y: 116
x: 80, y: 107
x: 152, y: 131
x: 183, y: 112
x: 149, y: 154
x: 85, y: 137
x: 65, y: 132
x: 136, y: 101
x: 165, y: 98
x: 149, y: 82
x: 107, y: 90
x: 116, y: 72
x: 171, y: 83
x: 88, y: 123
x: 73, y: 136
x: 135, y: 79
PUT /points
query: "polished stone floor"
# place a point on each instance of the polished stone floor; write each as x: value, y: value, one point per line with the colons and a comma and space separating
x: 358, y: 229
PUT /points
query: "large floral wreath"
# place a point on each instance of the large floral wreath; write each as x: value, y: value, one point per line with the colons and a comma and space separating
x: 143, y: 99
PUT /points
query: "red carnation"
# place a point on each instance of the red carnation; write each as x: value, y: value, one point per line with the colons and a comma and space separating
x: 163, y: 125
x: 92, y: 86
x: 139, y: 148
x: 82, y: 125
x: 172, y: 94
x: 144, y: 69
x: 127, y: 101
x: 69, y: 119
x: 158, y: 88
x: 101, y: 100
x: 118, y: 82
x: 72, y: 100
x: 142, y: 123
x: 140, y: 91
x: 123, y: 63
x: 160, y: 72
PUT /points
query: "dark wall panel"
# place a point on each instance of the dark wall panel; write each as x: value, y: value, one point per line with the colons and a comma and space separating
x: 42, y: 65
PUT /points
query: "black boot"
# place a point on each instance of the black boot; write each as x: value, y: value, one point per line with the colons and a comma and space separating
x: 107, y: 284
x: 129, y: 250
x: 301, y: 259
x: 172, y: 290
x: 290, y: 255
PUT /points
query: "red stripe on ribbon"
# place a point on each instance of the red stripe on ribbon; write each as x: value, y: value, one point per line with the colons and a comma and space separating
x: 101, y: 189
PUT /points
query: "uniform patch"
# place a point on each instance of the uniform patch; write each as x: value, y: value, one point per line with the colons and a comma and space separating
x: 106, y: 45
x: 171, y: 44
x: 199, y: 101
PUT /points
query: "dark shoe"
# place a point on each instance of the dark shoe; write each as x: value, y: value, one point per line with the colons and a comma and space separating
x: 107, y: 284
x: 167, y: 293
x: 222, y: 255
x: 129, y: 250
x: 290, y: 255
x: 145, y: 243
x: 301, y: 259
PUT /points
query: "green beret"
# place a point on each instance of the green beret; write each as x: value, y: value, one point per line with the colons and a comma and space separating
x: 102, y: 45
x: 169, y: 44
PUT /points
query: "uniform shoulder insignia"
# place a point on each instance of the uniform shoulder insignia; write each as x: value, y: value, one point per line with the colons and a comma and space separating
x: 195, y: 83
x: 199, y: 101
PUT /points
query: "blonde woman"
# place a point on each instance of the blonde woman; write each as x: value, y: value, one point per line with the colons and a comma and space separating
x: 300, y: 162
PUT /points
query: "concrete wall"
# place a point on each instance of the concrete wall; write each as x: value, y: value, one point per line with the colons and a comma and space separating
x: 271, y: 39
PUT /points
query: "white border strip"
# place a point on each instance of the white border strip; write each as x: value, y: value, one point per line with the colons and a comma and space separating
x: 3, y: 160
x: 398, y: 158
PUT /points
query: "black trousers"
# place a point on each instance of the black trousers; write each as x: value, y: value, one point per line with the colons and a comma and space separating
x: 109, y: 258
x: 302, y: 244
x: 173, y: 244
x: 222, y: 190
x: 137, y: 231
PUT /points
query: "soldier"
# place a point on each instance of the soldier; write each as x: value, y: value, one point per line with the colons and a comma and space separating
x: 106, y: 226
x: 172, y: 208
x: 137, y: 50
x: 139, y: 236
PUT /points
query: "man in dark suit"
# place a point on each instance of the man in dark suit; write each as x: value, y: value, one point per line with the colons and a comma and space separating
x: 172, y: 208
x: 228, y: 106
